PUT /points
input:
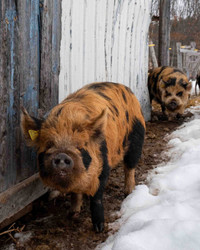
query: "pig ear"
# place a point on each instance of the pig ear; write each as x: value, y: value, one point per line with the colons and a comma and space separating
x: 30, y: 127
x: 97, y: 126
x: 189, y: 86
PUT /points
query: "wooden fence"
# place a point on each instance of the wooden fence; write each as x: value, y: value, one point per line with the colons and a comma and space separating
x: 188, y: 59
x: 29, y: 70
x: 105, y: 40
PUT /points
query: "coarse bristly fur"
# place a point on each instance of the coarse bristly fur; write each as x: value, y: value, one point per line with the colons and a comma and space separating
x: 94, y: 129
x: 171, y: 88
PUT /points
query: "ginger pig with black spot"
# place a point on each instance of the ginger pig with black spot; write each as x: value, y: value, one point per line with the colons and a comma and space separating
x: 171, y: 88
x: 94, y: 129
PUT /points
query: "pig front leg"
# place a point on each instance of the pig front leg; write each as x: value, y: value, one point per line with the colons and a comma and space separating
x: 76, y: 203
x: 96, y: 204
x: 96, y: 201
x: 97, y: 211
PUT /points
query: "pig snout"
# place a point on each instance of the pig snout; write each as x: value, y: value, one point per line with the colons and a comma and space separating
x: 172, y: 105
x: 62, y: 161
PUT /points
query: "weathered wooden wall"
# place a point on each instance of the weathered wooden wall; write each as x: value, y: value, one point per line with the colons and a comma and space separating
x: 12, y: 59
x: 29, y: 63
x: 50, y: 54
x: 105, y: 40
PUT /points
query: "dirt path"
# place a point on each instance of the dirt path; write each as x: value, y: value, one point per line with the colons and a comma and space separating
x: 48, y: 226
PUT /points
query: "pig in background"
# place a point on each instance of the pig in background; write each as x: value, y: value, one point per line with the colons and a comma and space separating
x: 171, y: 88
x: 197, y: 83
x: 94, y: 129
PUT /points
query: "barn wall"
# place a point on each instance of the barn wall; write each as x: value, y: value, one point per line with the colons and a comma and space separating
x: 29, y: 70
x: 19, y: 77
x: 105, y: 40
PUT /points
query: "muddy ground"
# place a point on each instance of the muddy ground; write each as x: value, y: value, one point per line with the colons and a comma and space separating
x: 48, y: 225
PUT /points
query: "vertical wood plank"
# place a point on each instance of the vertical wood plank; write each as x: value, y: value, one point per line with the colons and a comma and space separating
x: 29, y: 63
x: 179, y: 56
x: 65, y: 61
x: 77, y: 38
x: 128, y: 39
x: 9, y: 91
x: 100, y: 39
x: 115, y: 45
x: 50, y: 26
x: 89, y: 43
x: 152, y: 54
x: 122, y: 41
x: 108, y: 40
x: 115, y: 39
x: 135, y: 47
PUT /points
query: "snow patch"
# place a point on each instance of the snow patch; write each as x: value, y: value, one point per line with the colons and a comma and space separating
x: 165, y: 213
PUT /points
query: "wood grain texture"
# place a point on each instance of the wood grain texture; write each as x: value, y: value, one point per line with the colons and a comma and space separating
x: 29, y: 63
x: 29, y: 70
x: 28, y: 55
x: 19, y: 196
x: 105, y: 40
x: 50, y: 54
x: 9, y: 94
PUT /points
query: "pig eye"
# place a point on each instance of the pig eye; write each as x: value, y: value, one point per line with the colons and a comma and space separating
x: 49, y: 145
x: 167, y: 94
x: 180, y: 93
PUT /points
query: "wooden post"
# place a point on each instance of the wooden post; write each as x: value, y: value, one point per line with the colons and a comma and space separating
x: 153, y: 55
x: 164, y: 33
x: 179, y: 56
x: 193, y: 45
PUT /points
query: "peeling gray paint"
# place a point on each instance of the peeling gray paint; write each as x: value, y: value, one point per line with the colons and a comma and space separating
x: 108, y: 42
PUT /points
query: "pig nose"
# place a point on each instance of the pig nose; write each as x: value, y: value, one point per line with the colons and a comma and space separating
x: 173, y: 105
x: 63, y: 161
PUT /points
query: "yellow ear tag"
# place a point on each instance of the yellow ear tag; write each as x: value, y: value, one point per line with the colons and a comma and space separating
x: 33, y: 134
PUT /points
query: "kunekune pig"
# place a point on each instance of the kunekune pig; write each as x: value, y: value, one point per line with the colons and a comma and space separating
x: 171, y: 88
x: 94, y: 129
x: 197, y: 83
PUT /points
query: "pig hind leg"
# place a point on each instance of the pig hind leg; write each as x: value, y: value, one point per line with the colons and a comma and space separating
x: 133, y: 154
x: 129, y: 180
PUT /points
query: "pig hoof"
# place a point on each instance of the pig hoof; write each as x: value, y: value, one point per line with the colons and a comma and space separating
x: 98, y: 228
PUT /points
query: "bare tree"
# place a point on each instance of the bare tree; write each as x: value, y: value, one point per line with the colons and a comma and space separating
x: 184, y: 25
x: 164, y: 33
x: 179, y: 8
